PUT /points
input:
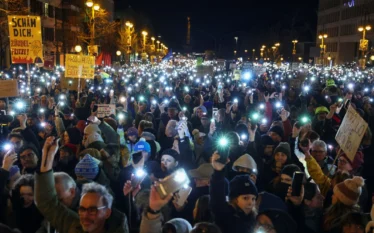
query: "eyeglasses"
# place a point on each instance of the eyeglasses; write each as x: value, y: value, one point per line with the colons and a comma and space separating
x: 27, y: 156
x: 90, y: 210
x: 342, y: 161
x: 318, y: 151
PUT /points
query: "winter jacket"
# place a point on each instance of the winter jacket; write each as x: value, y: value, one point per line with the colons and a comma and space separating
x: 61, y: 217
x: 228, y: 218
x: 315, y: 171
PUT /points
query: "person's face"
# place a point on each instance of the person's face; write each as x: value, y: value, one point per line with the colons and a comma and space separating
x: 66, y: 138
x: 28, y: 159
x: 344, y: 165
x: 187, y: 99
x: 322, y: 116
x: 268, y: 150
x: 280, y: 158
x: 168, y: 163
x: 353, y: 228
x: 27, y: 194
x: 172, y: 112
x: 205, y: 122
x: 64, y: 155
x: 319, y: 153
x: 142, y: 107
x: 43, y: 101
x: 2, y: 104
x: 275, y: 137
x: 16, y: 142
x: 93, y: 213
x: 133, y: 138
x: 199, y: 113
x: 65, y: 196
x: 200, y: 182
x: 317, y: 200
x: 264, y: 224
x: 246, y: 203
x: 30, y: 121
x: 286, y: 179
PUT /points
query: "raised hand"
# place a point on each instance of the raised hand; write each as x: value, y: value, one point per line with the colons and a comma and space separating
x: 217, y: 165
x: 9, y: 159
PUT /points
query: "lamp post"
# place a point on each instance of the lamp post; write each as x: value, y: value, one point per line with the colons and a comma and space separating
x: 129, y: 27
x: 94, y: 7
x: 322, y: 37
x: 253, y: 54
x: 153, y: 42
x: 364, y: 43
x: 158, y: 45
x: 144, y: 33
x: 294, y: 47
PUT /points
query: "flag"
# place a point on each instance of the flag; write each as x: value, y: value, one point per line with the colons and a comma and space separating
x: 168, y: 56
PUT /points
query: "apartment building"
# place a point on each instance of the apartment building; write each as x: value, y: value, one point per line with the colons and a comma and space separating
x: 340, y: 20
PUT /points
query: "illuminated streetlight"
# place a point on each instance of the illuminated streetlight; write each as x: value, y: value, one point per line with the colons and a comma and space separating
x: 96, y: 7
x: 78, y: 48
x: 118, y: 53
x: 89, y: 3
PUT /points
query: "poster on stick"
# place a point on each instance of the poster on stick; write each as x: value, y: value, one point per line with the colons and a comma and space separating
x: 25, y: 37
x: 350, y: 132
x: 79, y: 66
x: 104, y: 110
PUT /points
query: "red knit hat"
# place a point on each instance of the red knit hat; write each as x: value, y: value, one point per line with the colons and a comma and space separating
x: 357, y: 161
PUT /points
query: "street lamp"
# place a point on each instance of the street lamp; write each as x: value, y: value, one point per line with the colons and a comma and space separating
x: 78, y: 48
x: 158, y: 45
x: 95, y: 7
x: 364, y: 43
x: 118, y: 53
x: 144, y: 33
x: 322, y: 37
x: 294, y: 46
x: 235, y: 52
x: 277, y: 44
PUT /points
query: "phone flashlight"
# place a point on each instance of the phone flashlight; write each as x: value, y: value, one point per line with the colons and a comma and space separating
x: 262, y: 106
x: 180, y: 176
x: 154, y: 102
x: 184, y: 109
x: 255, y: 116
x: 235, y: 100
x: 41, y: 110
x: 43, y: 124
x: 7, y: 146
x: 243, y: 136
x: 140, y: 173
x: 121, y: 116
x: 132, y: 99
x: 122, y: 99
x: 166, y: 101
x: 264, y: 121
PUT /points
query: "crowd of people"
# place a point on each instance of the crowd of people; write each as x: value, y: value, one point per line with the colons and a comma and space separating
x: 240, y: 143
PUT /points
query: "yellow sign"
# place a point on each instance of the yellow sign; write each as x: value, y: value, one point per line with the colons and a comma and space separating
x: 25, y: 39
x: 350, y: 132
x: 79, y: 66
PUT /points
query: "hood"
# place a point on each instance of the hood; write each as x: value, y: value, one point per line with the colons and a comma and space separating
x: 181, y: 225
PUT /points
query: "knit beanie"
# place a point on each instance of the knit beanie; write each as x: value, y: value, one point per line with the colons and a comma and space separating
x: 271, y: 201
x: 132, y: 131
x: 357, y: 161
x: 242, y: 185
x: 245, y: 161
x: 349, y: 191
x: 172, y: 153
x: 181, y: 225
x: 142, y: 145
x: 92, y: 128
x: 283, y: 147
x: 148, y: 136
x: 282, y: 221
x: 278, y: 130
x: 290, y: 170
x: 87, y: 168
x: 113, y: 123
x: 266, y: 140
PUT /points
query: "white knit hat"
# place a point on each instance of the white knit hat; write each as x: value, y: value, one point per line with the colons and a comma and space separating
x: 245, y: 161
x: 348, y: 192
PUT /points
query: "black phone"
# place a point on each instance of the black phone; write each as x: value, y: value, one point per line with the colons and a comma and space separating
x: 297, y: 183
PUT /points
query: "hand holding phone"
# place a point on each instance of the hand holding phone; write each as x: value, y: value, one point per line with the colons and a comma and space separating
x: 297, y: 183
x: 172, y: 183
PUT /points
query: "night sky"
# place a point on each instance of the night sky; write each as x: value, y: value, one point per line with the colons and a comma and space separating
x: 214, y: 24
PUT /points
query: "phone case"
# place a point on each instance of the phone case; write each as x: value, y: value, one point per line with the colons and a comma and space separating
x: 183, y: 195
x: 170, y: 184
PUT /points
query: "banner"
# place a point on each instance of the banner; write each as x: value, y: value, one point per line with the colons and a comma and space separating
x: 79, y: 66
x: 25, y: 39
x: 8, y: 88
x: 350, y: 132
x: 104, y: 110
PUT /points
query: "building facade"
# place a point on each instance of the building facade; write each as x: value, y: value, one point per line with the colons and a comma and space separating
x: 340, y: 20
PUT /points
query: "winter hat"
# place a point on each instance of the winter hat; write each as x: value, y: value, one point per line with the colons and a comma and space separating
x: 181, y: 225
x: 92, y: 128
x: 204, y: 171
x: 90, y: 151
x: 203, y: 108
x: 349, y: 191
x: 150, y: 130
x: 282, y: 221
x: 75, y: 135
x: 266, y: 140
x: 172, y: 153
x: 174, y: 105
x: 321, y: 109
x: 132, y: 131
x: 81, y: 125
x: 87, y: 168
x: 290, y: 170
x: 110, y: 121
x: 142, y: 145
x: 278, y: 130
x: 271, y: 201
x: 283, y: 147
x: 148, y: 135
x: 357, y: 161
x: 330, y: 82
x: 94, y: 137
x: 242, y: 185
x: 245, y: 161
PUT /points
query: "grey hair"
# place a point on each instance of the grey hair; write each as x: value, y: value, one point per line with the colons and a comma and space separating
x: 64, y: 179
x: 320, y: 143
x: 94, y: 187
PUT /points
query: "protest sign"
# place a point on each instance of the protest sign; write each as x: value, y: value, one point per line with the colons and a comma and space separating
x: 204, y: 70
x: 104, y: 110
x: 350, y: 132
x: 79, y: 66
x: 8, y: 88
x: 25, y: 39
x: 237, y: 74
